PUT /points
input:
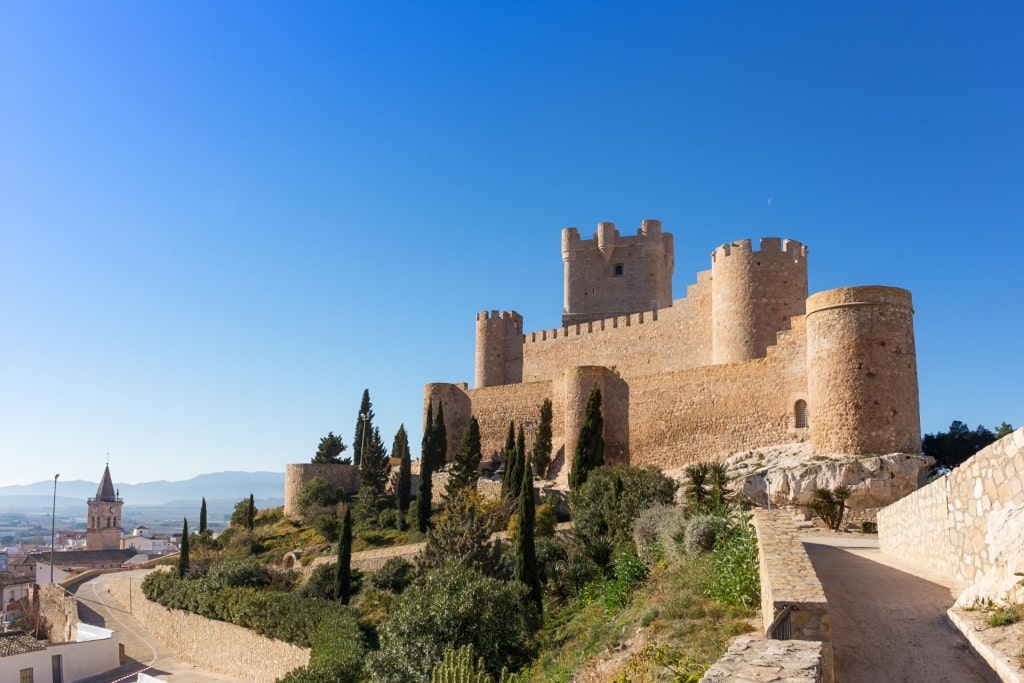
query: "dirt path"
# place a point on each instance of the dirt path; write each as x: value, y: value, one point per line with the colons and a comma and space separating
x: 888, y: 625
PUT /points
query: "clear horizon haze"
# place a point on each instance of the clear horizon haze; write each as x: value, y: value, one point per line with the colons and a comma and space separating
x: 220, y: 223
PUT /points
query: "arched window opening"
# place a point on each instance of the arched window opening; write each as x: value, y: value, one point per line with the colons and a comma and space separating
x: 800, y: 413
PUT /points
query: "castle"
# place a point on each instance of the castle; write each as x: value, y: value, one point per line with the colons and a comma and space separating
x: 746, y: 360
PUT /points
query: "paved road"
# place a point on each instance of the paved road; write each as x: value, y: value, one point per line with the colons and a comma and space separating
x: 143, y: 651
x: 889, y: 625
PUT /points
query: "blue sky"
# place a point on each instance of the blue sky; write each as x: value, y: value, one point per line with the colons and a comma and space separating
x: 219, y: 223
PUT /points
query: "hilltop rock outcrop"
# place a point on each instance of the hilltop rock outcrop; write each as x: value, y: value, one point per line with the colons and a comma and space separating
x: 788, y: 476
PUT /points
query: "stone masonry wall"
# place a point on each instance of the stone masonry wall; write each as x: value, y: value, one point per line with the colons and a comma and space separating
x: 295, y: 475
x: 968, y: 524
x: 207, y: 644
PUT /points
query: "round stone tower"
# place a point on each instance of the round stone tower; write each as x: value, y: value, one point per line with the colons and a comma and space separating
x: 862, y: 371
x: 754, y: 294
x: 499, y: 348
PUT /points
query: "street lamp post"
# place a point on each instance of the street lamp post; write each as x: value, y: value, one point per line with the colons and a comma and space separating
x: 53, y: 524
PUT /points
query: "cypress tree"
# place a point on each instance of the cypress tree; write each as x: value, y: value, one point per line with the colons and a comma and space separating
x: 466, y: 463
x: 508, y: 489
x: 183, y: 554
x: 542, y: 446
x: 250, y: 515
x: 439, y: 439
x: 400, y: 449
x: 522, y: 466
x: 202, y: 516
x: 375, y: 467
x: 425, y: 490
x: 589, y: 453
x: 343, y: 571
x: 359, y: 445
x: 526, y: 551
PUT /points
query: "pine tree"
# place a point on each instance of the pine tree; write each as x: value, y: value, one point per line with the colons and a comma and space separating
x: 363, y: 421
x: 542, y: 445
x: 425, y: 491
x: 183, y: 553
x: 250, y: 515
x: 343, y: 571
x: 589, y: 453
x: 202, y: 516
x: 329, y: 450
x: 508, y: 489
x: 400, y: 449
x: 466, y: 463
x: 526, y: 551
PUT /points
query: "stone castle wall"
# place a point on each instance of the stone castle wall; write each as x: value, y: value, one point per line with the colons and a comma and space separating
x: 967, y: 524
x: 295, y: 475
x: 745, y: 360
x: 208, y: 644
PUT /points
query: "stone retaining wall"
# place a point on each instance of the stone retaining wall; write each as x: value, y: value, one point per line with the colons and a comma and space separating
x: 207, y: 644
x: 787, y: 579
x: 968, y: 524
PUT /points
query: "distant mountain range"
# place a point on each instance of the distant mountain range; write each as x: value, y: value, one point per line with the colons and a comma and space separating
x: 220, y: 488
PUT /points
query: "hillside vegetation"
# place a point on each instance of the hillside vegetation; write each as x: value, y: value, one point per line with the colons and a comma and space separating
x: 640, y: 590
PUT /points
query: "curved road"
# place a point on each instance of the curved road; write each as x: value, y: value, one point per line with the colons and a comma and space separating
x: 887, y: 624
x: 143, y: 651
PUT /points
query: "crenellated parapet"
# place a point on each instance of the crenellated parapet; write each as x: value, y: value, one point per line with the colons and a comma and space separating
x: 755, y: 294
x: 612, y: 275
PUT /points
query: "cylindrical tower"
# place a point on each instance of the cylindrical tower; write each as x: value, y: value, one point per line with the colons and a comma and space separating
x: 577, y: 383
x: 499, y: 348
x: 458, y: 408
x: 862, y: 371
x: 754, y: 294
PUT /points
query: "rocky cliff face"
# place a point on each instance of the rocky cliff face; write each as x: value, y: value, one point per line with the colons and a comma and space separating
x: 788, y: 476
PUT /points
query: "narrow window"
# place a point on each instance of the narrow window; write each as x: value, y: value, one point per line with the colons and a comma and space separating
x: 26, y: 676
x: 58, y: 669
x: 800, y: 413
x: 618, y: 269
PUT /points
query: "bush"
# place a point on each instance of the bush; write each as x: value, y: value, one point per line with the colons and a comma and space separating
x: 461, y: 532
x: 317, y: 493
x: 830, y: 505
x: 321, y: 582
x: 460, y: 666
x: 701, y: 533
x: 612, y: 498
x: 237, y: 572
x: 327, y: 526
x: 337, y: 652
x: 545, y: 521
x: 647, y: 532
x: 455, y: 606
x: 395, y: 575
x: 736, y: 579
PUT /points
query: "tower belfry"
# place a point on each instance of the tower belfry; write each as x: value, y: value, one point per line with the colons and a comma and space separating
x: 104, y: 515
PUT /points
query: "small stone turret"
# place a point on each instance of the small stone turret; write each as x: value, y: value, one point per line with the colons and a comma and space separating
x: 610, y: 275
x: 862, y: 371
x: 499, y: 348
x: 754, y: 294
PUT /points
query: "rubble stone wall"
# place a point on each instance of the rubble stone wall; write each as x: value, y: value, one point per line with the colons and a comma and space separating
x: 968, y: 524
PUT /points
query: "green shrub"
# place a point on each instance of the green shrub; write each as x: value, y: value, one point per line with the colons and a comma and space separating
x: 612, y: 498
x: 454, y: 606
x: 830, y: 506
x: 647, y: 532
x: 460, y: 666
x: 244, y: 571
x: 544, y: 521
x: 327, y: 526
x: 337, y: 652
x: 701, y: 533
x: 736, y: 579
x: 868, y: 527
x: 394, y: 575
x: 317, y: 493
x: 1004, y: 616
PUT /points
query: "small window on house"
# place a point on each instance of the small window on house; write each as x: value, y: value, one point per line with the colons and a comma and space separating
x: 26, y: 676
x: 618, y: 269
x: 800, y: 413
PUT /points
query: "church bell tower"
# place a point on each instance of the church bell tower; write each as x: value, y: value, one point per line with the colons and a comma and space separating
x: 104, y: 515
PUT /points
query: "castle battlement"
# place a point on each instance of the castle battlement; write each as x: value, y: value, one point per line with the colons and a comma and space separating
x: 511, y: 316
x: 768, y: 245
x: 591, y: 327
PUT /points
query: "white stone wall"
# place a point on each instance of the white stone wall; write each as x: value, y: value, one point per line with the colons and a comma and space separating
x: 968, y: 524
